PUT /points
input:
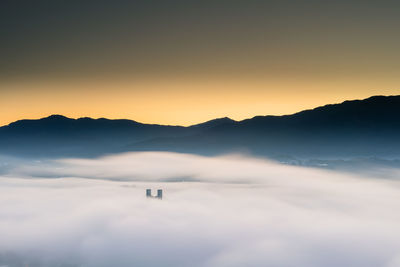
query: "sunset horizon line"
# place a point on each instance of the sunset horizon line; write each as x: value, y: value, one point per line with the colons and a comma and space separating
x: 55, y: 114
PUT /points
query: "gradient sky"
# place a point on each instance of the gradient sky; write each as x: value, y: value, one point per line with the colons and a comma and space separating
x: 184, y: 62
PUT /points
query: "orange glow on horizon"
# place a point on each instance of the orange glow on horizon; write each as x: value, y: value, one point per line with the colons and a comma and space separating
x: 174, y: 102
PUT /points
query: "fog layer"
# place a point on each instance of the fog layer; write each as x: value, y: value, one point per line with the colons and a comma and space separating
x: 220, y: 211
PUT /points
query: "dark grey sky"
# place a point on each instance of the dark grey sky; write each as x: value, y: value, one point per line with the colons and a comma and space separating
x: 193, y: 37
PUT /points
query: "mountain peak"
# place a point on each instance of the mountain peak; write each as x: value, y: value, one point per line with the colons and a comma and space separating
x: 56, y: 117
x: 214, y: 122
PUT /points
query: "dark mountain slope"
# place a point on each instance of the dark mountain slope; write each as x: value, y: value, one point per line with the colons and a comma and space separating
x: 60, y: 136
x: 369, y: 127
x: 213, y: 123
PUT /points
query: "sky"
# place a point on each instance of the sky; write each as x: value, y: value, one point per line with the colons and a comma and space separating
x: 231, y: 211
x: 185, y: 62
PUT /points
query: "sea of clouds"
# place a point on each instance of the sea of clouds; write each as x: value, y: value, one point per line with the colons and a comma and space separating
x: 217, y: 211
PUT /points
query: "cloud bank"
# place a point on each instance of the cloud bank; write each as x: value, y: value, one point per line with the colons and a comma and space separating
x: 218, y: 211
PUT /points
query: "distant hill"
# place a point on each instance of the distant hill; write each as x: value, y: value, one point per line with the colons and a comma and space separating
x: 369, y: 127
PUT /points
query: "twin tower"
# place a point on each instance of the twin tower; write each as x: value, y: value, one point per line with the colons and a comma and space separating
x: 149, y: 195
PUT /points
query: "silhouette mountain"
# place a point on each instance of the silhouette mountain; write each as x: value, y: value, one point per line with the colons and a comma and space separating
x: 369, y: 127
x: 213, y: 123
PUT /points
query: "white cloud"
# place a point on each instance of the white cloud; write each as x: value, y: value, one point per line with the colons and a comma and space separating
x: 237, y: 211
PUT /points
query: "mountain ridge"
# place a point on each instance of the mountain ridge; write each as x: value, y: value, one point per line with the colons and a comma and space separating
x: 368, y: 127
x: 226, y: 118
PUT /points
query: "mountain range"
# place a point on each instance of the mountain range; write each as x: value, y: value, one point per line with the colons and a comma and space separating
x: 357, y: 128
